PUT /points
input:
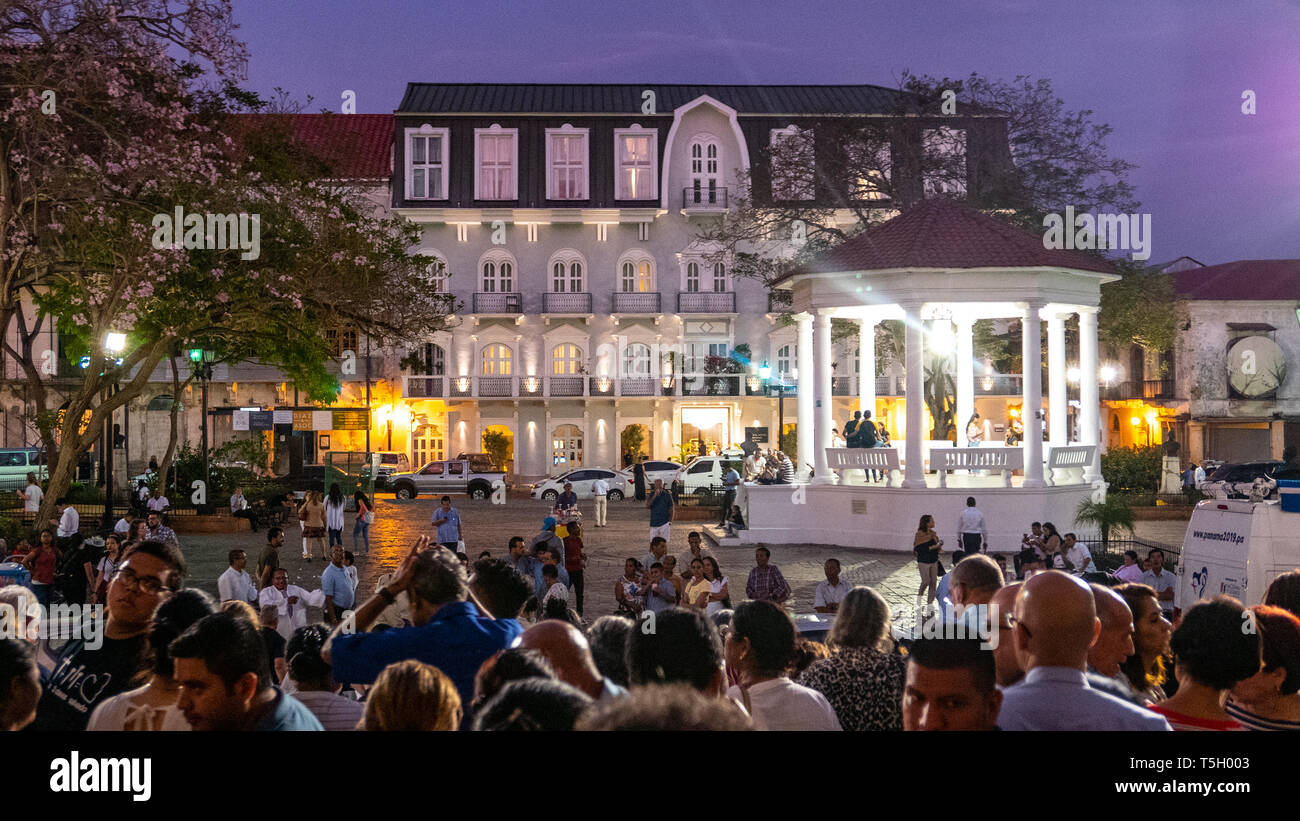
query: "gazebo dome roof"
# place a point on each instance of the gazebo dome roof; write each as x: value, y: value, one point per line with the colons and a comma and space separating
x: 942, y: 233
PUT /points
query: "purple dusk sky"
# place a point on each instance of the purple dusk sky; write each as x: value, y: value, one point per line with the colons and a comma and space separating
x: 1167, y: 75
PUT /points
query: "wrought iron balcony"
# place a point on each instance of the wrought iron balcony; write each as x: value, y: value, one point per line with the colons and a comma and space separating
x: 639, y: 386
x: 1139, y: 389
x: 706, y: 302
x: 999, y: 385
x: 636, y: 303
x: 711, y: 385
x: 704, y: 198
x: 497, y: 303
x: 425, y: 387
x: 565, y: 386
x: 496, y: 386
x: 779, y: 302
x: 566, y: 303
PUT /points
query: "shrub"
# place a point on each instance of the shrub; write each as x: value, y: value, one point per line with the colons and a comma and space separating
x: 1133, y: 470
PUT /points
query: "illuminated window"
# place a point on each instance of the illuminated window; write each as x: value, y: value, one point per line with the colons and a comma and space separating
x: 496, y: 157
x: 496, y: 360
x: 638, y: 164
x: 567, y: 359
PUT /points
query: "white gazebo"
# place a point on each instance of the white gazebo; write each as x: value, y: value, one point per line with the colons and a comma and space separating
x: 943, y: 264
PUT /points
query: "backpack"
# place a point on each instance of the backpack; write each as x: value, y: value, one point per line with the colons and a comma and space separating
x: 867, y: 434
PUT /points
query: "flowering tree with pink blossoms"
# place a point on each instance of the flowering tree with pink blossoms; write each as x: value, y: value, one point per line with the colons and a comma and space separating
x: 104, y: 131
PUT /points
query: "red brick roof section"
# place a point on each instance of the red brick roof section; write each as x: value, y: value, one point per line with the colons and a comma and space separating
x: 1244, y: 279
x: 357, y: 146
x: 946, y: 234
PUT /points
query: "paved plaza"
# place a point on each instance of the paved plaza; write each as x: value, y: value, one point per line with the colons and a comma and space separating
x: 490, y: 527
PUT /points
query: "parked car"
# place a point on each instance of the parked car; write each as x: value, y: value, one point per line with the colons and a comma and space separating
x: 705, y: 472
x: 660, y: 469
x: 482, y: 462
x: 620, y: 484
x: 446, y: 477
x: 16, y: 463
x: 1238, y: 480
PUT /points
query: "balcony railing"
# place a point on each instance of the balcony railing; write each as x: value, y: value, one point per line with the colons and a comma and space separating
x: 843, y: 386
x: 496, y: 386
x: 602, y: 385
x: 704, y: 198
x: 711, y: 385
x: 636, y: 303
x: 1139, y: 389
x: 565, y: 386
x: 999, y: 385
x: 462, y: 386
x: 889, y: 386
x: 639, y: 386
x: 488, y: 303
x: 706, y: 302
x: 566, y: 303
x: 425, y: 387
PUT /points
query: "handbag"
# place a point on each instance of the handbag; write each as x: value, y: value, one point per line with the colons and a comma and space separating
x: 938, y: 565
x: 368, y: 517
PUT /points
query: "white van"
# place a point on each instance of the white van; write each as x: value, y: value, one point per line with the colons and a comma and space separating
x: 1236, y: 548
x: 16, y: 463
x: 705, y: 472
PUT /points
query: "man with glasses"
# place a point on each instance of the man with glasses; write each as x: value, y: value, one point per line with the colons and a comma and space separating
x: 91, y: 670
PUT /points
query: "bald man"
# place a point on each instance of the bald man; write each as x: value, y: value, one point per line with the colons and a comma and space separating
x: 1008, y: 666
x: 1055, y: 625
x: 1115, y: 642
x: 569, y: 654
x: 975, y: 580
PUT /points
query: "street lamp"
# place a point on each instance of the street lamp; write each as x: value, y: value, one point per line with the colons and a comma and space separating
x: 201, y: 361
x: 765, y: 374
x: 114, y: 344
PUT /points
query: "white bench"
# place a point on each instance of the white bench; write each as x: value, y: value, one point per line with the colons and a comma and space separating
x: 1067, y: 459
x: 864, y: 459
x: 1004, y: 459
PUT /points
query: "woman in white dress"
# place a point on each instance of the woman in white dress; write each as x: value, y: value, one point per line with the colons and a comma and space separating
x: 718, y: 592
x: 153, y: 706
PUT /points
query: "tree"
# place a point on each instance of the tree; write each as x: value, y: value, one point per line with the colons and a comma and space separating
x: 86, y: 194
x: 497, y: 445
x: 1114, y: 514
x: 633, y: 440
x: 1142, y: 308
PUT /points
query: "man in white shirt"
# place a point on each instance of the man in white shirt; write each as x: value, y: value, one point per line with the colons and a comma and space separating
x: 1078, y: 554
x: 290, y: 601
x: 235, y: 584
x: 753, y: 465
x: 832, y: 591
x: 972, y: 533
x: 1198, y: 476
x: 123, y: 526
x: 1160, y: 581
x: 600, y: 489
x: 158, y: 502
x: 69, y: 522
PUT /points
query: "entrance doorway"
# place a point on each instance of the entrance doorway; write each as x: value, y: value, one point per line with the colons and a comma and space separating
x: 712, y: 426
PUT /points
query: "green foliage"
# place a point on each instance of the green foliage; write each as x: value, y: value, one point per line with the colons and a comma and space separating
x: 790, y: 444
x: 1142, y: 308
x: 13, y: 530
x: 79, y: 493
x: 497, y: 444
x: 1112, y: 515
x: 686, y: 451
x: 633, y: 440
x: 1133, y: 469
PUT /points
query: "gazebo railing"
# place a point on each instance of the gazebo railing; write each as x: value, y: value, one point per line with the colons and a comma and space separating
x: 1070, y: 461
x: 881, y: 459
x: 1004, y: 459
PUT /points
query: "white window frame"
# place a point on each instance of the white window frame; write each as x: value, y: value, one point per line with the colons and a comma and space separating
x: 568, y: 258
x: 795, y: 132
x: 725, y: 279
x: 495, y: 258
x: 636, y: 366
x: 637, y: 259
x: 501, y: 365
x: 686, y: 274
x: 785, y: 363
x: 552, y: 189
x: 620, y: 189
x: 423, y: 132
x: 567, y: 365
x: 496, y: 131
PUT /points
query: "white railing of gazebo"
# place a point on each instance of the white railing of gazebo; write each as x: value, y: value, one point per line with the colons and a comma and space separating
x: 1002, y: 459
x: 881, y: 459
x: 1068, y: 459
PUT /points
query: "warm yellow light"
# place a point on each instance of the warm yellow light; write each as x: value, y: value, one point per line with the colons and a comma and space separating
x: 1135, y: 421
x: 383, y: 412
x: 402, y: 415
x: 1015, y: 413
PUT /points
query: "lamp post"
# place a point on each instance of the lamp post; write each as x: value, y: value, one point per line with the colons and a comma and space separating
x: 202, y: 360
x: 114, y: 344
x: 765, y: 374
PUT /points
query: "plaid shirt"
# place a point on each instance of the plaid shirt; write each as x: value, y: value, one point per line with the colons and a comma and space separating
x: 162, y: 533
x: 767, y: 584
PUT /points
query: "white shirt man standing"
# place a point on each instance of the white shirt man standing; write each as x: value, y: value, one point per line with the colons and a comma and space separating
x: 600, y: 490
x: 290, y: 601
x: 235, y: 584
x: 972, y: 533
x: 69, y: 519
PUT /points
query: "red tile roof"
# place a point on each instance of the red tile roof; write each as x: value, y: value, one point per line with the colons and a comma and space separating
x: 1243, y: 279
x: 357, y: 146
x: 942, y: 233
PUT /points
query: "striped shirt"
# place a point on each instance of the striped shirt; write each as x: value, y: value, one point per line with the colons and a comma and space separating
x: 1180, y: 721
x: 1254, y: 721
x: 333, y: 711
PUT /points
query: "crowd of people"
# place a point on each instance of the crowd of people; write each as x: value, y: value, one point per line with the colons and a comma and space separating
x: 498, y: 644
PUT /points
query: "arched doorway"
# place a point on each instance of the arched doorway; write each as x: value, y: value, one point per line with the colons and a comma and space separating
x: 427, y: 444
x: 499, y: 442
x: 634, y: 442
x: 566, y: 448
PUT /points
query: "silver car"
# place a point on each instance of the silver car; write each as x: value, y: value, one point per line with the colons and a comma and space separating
x: 620, y: 484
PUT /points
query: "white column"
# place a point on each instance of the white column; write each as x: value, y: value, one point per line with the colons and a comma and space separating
x: 867, y: 369
x: 965, y: 375
x: 1089, y: 402
x: 1058, y: 405
x: 913, y: 342
x: 1032, y: 356
x: 823, y: 422
x: 804, y: 362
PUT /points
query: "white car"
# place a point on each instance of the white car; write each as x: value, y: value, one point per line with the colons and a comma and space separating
x: 620, y: 484
x: 659, y: 469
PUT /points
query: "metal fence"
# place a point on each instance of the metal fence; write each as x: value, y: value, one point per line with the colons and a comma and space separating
x: 1110, y: 556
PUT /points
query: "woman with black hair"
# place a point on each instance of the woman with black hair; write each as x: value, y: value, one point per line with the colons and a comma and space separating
x: 153, y: 706
x: 313, y: 680
x: 1215, y: 646
x: 760, y: 646
x: 1145, y: 669
x: 334, y: 506
x: 365, y: 515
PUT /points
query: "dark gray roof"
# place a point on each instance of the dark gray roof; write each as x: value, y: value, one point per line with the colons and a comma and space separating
x: 529, y: 98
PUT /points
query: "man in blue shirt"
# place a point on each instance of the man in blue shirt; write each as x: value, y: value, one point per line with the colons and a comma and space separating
x: 447, y: 520
x: 449, y: 632
x: 661, y: 511
x: 552, y: 557
x: 1055, y: 623
x: 730, y: 481
x: 336, y: 586
x: 225, y: 680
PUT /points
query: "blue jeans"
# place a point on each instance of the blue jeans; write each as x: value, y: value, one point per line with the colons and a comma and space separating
x: 364, y: 529
x: 336, y: 537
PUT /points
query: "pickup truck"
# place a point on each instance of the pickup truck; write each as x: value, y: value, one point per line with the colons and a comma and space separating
x: 446, y: 477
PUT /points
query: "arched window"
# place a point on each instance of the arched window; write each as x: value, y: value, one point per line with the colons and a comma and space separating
x: 637, y: 274
x: 437, y: 271
x: 498, y: 269
x: 496, y: 360
x: 636, y: 361
x: 567, y: 358
x: 706, y: 160
x: 566, y: 272
x: 566, y: 447
x: 428, y: 360
x: 693, y: 277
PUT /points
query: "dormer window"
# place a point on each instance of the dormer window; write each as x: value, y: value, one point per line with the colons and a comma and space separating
x: 426, y: 163
x: 794, y: 173
x: 637, y: 158
x: 496, y: 160
x: 566, y: 163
